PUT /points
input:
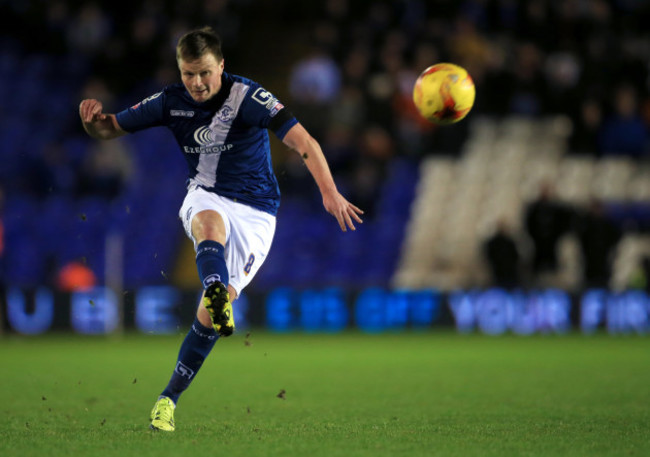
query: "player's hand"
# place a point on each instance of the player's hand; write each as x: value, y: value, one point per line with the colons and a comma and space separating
x: 344, y: 211
x: 90, y: 111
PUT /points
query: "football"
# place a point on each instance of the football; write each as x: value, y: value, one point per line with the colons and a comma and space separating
x: 444, y: 93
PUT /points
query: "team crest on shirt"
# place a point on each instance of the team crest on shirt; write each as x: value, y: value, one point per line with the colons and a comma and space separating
x: 225, y: 114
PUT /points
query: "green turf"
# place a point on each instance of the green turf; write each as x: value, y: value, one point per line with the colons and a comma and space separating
x: 410, y: 394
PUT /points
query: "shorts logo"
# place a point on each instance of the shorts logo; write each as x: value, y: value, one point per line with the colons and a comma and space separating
x: 184, y: 370
x: 188, y: 215
x: 204, y: 136
x: 225, y: 114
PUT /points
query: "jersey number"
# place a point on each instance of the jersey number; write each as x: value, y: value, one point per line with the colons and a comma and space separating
x: 249, y: 264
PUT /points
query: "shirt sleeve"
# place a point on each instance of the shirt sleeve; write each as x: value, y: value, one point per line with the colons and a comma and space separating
x: 262, y: 109
x: 282, y: 123
x: 147, y: 113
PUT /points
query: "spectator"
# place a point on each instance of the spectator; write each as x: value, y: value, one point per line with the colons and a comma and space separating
x: 528, y: 85
x: 598, y: 240
x: 546, y: 221
x: 105, y: 170
x: 624, y: 131
x: 584, y: 137
x: 502, y: 254
x: 89, y: 31
x: 376, y: 149
x: 314, y: 85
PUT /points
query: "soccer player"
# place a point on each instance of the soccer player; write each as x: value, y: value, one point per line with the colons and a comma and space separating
x: 220, y: 122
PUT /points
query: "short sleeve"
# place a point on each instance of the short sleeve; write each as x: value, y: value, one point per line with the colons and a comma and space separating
x: 261, y: 107
x: 147, y: 113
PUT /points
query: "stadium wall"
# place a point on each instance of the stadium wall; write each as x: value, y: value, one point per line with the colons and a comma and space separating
x: 168, y: 310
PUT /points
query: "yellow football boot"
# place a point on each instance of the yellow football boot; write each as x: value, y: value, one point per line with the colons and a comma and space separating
x: 217, y: 301
x: 162, y: 415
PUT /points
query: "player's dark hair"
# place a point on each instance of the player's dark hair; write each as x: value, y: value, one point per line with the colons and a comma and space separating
x: 196, y: 43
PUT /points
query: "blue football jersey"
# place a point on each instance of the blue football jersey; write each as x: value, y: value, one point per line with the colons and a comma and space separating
x: 224, y: 140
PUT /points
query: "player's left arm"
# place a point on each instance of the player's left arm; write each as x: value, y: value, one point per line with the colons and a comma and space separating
x: 298, y: 139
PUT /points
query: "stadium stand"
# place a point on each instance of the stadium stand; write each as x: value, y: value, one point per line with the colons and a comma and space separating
x: 438, y: 192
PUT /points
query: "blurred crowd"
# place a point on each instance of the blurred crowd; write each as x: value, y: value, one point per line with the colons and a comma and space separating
x: 346, y: 69
x: 352, y: 65
x: 587, y: 59
x: 546, y: 221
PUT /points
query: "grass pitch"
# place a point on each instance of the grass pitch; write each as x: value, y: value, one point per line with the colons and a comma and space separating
x: 409, y: 394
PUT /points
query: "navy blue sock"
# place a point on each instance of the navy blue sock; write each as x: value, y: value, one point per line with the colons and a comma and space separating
x: 195, y: 348
x: 211, y: 263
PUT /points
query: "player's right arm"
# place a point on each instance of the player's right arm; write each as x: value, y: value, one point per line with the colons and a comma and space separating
x: 99, y: 125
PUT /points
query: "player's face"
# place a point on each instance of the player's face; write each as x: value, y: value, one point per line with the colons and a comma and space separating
x: 201, y: 77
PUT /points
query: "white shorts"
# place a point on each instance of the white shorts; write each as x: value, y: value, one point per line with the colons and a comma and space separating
x: 249, y: 232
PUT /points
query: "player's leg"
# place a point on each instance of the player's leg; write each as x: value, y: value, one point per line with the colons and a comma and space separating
x: 193, y: 351
x: 248, y: 245
x: 209, y: 232
x: 249, y: 232
x: 207, y: 229
x: 195, y: 348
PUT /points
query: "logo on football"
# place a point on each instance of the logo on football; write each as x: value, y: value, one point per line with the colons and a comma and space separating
x: 444, y: 93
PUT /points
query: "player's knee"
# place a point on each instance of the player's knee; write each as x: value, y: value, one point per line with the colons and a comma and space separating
x: 208, y: 225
